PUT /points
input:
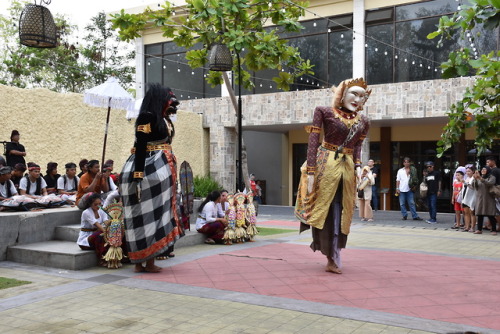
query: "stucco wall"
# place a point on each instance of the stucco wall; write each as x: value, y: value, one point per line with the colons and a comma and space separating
x: 61, y: 128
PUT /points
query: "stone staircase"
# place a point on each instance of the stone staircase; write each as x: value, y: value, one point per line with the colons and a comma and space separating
x: 63, y: 252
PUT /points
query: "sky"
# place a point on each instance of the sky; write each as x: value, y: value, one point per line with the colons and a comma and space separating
x: 80, y: 12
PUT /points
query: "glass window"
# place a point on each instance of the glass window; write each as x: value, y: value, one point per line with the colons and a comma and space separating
x: 379, y: 56
x: 264, y: 81
x: 340, y: 22
x: 425, y: 9
x: 340, y: 56
x: 316, y: 26
x: 313, y: 48
x: 185, y: 82
x: 411, y: 36
x: 153, y: 70
x: 379, y: 16
x: 153, y: 49
x: 171, y: 47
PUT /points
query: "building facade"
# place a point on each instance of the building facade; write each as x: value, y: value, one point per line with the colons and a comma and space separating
x: 383, y: 41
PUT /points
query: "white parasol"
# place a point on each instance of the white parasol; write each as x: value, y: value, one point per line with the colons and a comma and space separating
x: 109, y: 94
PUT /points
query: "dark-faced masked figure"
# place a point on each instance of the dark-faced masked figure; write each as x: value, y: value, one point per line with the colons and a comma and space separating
x: 148, y: 181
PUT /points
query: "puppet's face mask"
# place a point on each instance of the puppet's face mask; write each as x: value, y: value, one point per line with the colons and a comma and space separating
x: 354, y: 99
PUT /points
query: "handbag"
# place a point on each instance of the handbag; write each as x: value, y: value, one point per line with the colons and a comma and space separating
x: 423, y: 189
x: 361, y: 193
x: 495, y: 191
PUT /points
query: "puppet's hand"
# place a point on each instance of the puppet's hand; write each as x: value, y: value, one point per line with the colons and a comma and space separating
x: 310, y: 183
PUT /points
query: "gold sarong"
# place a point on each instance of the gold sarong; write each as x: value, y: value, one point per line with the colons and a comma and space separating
x: 312, y: 208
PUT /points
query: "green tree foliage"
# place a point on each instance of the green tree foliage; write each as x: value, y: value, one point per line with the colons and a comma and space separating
x: 70, y: 66
x: 479, y: 106
x: 240, y: 24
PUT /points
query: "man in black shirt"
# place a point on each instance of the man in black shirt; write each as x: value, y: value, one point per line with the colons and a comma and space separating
x: 433, y: 180
x: 15, y: 152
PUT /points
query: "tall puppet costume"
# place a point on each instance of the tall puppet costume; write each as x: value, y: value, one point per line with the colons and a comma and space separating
x: 327, y: 189
x: 149, y: 179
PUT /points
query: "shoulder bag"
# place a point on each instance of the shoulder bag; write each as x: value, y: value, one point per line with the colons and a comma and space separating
x: 423, y: 189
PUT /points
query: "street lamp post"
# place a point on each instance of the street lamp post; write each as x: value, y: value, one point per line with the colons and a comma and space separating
x: 240, y: 138
x: 221, y: 60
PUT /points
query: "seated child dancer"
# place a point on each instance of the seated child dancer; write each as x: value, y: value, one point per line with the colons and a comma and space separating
x: 7, y: 188
x: 33, y: 183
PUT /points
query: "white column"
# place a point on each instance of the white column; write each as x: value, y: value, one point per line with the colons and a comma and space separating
x: 139, y: 68
x: 358, y: 43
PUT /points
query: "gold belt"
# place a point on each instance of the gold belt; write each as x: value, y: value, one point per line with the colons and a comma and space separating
x: 332, y: 147
x: 151, y: 148
x: 88, y: 229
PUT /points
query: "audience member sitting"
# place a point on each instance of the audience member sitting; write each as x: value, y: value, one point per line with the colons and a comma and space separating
x: 208, y: 223
x: 92, y: 181
x: 92, y: 228
x: 67, y: 185
x: 107, y: 169
x: 83, y: 167
x: 33, y: 184
x: 51, y: 177
x: 7, y: 188
x: 17, y: 174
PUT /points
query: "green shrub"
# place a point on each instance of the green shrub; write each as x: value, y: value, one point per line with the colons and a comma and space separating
x: 203, y: 185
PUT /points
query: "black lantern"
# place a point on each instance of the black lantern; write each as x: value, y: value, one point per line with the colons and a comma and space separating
x: 222, y: 61
x: 36, y: 27
x: 220, y: 58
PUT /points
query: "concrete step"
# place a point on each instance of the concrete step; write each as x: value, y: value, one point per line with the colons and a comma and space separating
x: 67, y: 232
x: 71, y: 232
x: 65, y: 253
x: 54, y: 253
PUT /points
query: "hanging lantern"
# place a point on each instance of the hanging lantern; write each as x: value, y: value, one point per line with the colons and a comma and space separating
x: 220, y: 58
x: 36, y: 27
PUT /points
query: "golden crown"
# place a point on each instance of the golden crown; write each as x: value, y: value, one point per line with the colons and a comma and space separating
x: 357, y: 82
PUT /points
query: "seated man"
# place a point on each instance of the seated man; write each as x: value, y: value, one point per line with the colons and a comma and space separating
x: 17, y: 174
x: 7, y: 188
x: 51, y: 177
x: 93, y: 181
x: 67, y: 185
x: 33, y: 184
x: 83, y: 167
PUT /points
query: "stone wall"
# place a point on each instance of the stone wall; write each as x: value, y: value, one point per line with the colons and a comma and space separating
x: 61, y: 128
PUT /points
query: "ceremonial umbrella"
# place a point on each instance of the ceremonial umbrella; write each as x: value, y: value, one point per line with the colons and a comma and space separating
x: 109, y: 94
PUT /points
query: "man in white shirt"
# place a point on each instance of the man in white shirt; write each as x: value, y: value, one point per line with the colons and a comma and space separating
x: 7, y: 188
x: 67, y: 185
x: 33, y: 184
x: 404, y: 191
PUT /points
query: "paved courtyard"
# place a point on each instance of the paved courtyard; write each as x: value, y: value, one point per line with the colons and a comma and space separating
x: 398, y: 277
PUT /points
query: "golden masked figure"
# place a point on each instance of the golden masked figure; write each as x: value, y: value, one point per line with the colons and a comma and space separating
x: 327, y: 189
